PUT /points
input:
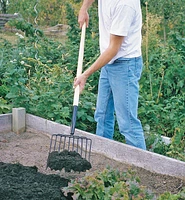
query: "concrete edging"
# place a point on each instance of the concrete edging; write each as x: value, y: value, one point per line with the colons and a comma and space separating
x: 5, y: 122
x: 115, y: 150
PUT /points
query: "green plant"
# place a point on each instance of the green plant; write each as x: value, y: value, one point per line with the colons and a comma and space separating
x: 177, y: 146
x: 108, y: 184
x: 169, y: 196
x: 25, y: 8
x: 25, y: 27
x: 111, y: 184
x: 175, y: 149
x: 155, y: 144
x: 3, y: 90
x: 4, y: 106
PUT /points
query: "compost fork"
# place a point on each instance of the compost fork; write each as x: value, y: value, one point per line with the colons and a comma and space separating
x: 70, y: 142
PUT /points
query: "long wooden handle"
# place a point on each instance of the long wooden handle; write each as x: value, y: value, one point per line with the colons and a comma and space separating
x: 79, y: 71
x: 80, y: 65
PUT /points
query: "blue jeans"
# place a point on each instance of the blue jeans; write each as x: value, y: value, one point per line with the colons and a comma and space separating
x: 118, y: 91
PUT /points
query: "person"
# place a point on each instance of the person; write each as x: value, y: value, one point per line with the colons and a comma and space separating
x: 120, y: 61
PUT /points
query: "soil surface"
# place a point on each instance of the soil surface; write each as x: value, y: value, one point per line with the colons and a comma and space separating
x: 32, y: 149
x: 23, y: 182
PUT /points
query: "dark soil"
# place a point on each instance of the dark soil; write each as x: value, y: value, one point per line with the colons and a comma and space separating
x: 67, y: 160
x: 23, y: 181
x: 20, y: 182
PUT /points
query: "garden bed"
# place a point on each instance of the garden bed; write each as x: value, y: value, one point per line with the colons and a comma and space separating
x: 31, y: 149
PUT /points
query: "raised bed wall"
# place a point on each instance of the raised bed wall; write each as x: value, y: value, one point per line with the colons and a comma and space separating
x: 5, y: 122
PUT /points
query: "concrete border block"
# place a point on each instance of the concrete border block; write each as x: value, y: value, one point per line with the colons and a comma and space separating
x: 19, y: 120
x: 115, y: 150
x: 5, y: 122
x: 44, y: 125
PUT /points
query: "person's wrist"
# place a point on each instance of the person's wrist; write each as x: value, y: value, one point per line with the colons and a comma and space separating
x: 83, y: 10
x: 86, y: 74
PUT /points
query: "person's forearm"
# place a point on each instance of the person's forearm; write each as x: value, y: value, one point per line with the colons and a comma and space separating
x: 83, y: 16
x: 106, y: 56
x: 86, y: 4
x: 103, y: 59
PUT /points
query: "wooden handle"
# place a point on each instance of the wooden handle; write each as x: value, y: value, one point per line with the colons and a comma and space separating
x: 80, y: 64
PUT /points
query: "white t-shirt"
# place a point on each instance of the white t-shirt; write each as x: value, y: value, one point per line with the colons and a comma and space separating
x: 122, y: 18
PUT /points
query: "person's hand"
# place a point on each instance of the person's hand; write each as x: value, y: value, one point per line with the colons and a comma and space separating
x: 83, y: 17
x: 80, y: 80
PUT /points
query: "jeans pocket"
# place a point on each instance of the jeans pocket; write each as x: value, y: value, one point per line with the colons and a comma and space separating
x: 135, y: 69
x: 138, y: 68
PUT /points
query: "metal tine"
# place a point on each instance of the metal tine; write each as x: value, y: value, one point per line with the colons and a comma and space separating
x: 73, y: 144
x: 64, y: 142
x: 77, y: 145
x: 59, y: 145
x: 86, y: 151
x: 81, y: 145
x: 69, y: 143
x: 55, y: 143
x: 51, y: 141
x: 90, y: 146
x: 50, y: 144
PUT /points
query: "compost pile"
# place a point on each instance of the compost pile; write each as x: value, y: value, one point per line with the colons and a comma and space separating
x: 67, y: 160
x: 22, y: 182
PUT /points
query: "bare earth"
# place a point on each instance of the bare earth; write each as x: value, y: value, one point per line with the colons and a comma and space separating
x: 31, y: 149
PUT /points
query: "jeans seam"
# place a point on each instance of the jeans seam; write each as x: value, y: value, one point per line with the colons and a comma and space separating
x: 106, y: 111
x: 129, y: 115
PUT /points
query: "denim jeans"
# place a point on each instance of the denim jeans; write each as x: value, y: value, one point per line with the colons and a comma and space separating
x: 118, y: 92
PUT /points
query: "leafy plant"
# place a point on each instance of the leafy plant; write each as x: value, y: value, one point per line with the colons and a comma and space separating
x: 175, y: 149
x: 177, y: 146
x: 168, y: 195
x: 25, y: 27
x: 4, y: 106
x: 112, y: 184
x: 108, y: 184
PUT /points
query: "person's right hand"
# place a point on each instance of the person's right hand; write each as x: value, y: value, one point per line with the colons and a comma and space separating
x: 83, y: 17
x: 80, y: 80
